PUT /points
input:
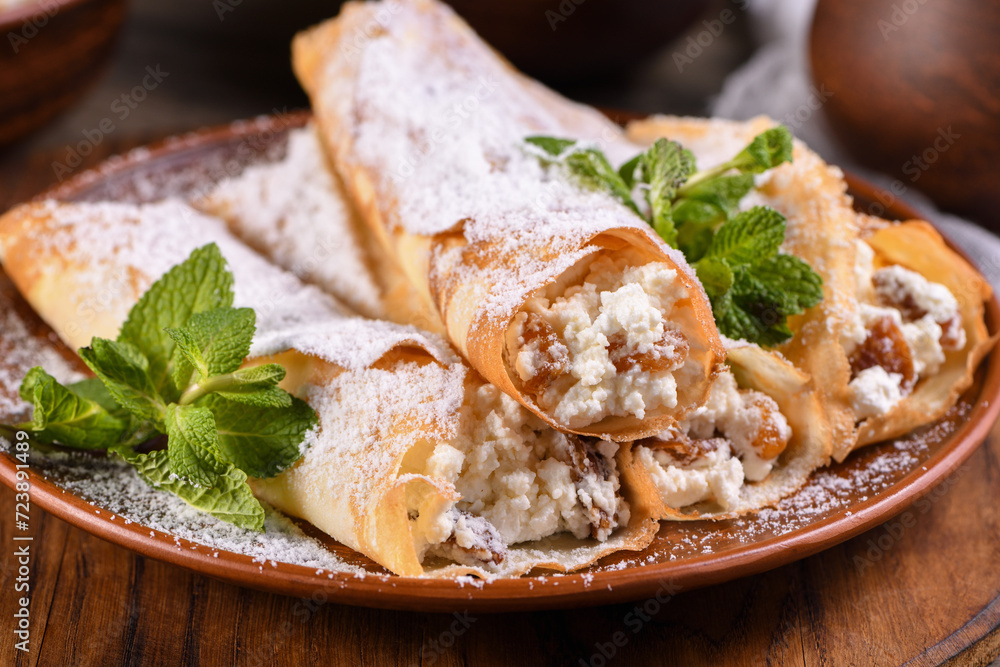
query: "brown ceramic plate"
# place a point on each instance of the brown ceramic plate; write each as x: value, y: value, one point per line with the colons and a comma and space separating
x: 838, y: 503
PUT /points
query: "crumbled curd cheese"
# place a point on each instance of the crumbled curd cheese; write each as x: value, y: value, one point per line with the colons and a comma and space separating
x: 874, y: 391
x: 517, y: 475
x: 616, y: 301
x: 717, y: 476
x: 720, y: 473
x: 729, y: 413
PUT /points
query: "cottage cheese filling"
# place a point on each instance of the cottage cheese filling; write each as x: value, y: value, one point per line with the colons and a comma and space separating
x: 603, y: 347
x: 903, y: 327
x: 735, y: 437
x: 516, y: 481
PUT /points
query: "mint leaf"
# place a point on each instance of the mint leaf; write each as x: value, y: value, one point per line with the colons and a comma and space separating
x: 722, y: 193
x: 200, y: 283
x: 213, y: 342
x: 551, y: 145
x: 193, y: 445
x: 261, y: 441
x: 268, y: 397
x: 752, y: 311
x: 265, y: 375
x: 67, y: 418
x: 692, y: 211
x: 243, y: 381
x: 125, y: 373
x: 694, y: 240
x: 588, y: 165
x: 715, y: 275
x: 92, y: 389
x: 230, y: 499
x: 793, y: 279
x: 665, y: 167
x: 751, y: 236
x: 767, y: 150
x: 595, y: 172
x: 256, y: 386
x: 627, y: 171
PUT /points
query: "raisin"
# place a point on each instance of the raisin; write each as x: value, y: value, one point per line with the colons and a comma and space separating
x: 885, y: 346
x: 668, y: 353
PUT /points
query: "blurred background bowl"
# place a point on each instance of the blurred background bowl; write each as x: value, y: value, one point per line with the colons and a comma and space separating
x: 52, y: 51
x: 916, y: 93
x: 570, y: 40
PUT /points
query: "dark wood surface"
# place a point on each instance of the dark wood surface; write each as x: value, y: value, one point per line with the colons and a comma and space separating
x: 924, y: 589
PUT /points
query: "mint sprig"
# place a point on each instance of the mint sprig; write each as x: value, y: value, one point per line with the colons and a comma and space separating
x: 175, y: 370
x: 753, y: 287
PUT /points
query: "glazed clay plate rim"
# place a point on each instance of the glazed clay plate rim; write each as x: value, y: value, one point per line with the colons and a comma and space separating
x: 538, y: 592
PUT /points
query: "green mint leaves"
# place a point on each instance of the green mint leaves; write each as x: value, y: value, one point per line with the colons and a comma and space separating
x: 62, y: 414
x: 175, y: 370
x: 752, y: 286
x: 201, y: 283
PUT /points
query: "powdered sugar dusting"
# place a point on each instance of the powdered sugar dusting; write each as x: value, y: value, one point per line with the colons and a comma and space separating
x: 428, y: 112
x: 296, y: 210
x: 19, y: 352
x: 130, y: 246
x: 113, y: 486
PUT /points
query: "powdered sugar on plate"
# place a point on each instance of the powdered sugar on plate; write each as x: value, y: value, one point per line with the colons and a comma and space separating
x: 112, y: 486
x: 19, y: 352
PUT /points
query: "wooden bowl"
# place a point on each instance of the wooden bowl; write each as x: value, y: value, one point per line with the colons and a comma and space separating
x: 52, y: 51
x: 570, y: 40
x: 916, y: 93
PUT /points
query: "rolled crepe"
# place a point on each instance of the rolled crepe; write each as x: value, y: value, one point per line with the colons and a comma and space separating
x: 936, y: 302
x: 882, y: 363
x: 561, y: 297
x: 416, y: 463
x: 757, y: 438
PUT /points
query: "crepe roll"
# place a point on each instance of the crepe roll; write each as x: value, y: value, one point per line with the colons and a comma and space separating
x: 756, y: 439
x: 560, y: 296
x: 901, y: 327
x: 417, y: 462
